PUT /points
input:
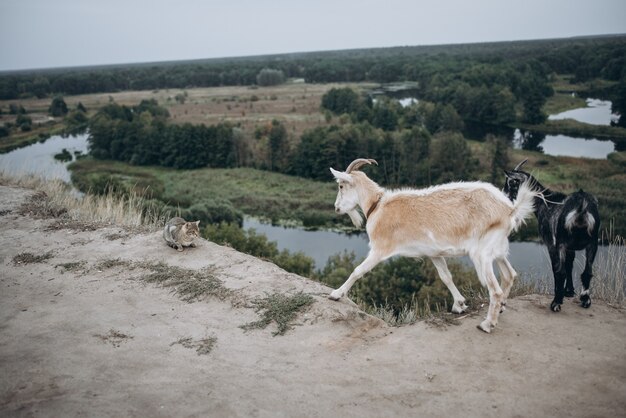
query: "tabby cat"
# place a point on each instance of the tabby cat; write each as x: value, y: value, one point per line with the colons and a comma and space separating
x: 179, y: 233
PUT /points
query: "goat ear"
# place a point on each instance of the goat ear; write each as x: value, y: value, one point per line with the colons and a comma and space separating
x: 197, y: 223
x: 508, y: 174
x: 340, y: 175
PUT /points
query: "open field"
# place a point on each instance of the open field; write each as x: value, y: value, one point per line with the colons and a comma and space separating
x: 295, y: 104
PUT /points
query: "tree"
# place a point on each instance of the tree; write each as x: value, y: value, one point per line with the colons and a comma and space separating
x: 499, y: 157
x: 451, y: 158
x: 270, y: 77
x: 339, y: 101
x: 58, y: 107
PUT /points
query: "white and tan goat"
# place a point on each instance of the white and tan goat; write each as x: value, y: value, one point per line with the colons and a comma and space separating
x: 455, y: 219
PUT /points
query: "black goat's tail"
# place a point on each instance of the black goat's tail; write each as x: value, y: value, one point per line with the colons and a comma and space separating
x: 581, y: 217
x: 524, y: 204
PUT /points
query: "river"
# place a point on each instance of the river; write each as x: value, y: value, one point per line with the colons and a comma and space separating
x: 38, y: 159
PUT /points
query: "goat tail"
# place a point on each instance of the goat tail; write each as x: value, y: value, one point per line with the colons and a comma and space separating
x: 524, y: 204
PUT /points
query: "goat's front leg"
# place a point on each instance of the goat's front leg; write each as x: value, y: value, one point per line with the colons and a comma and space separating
x: 446, y: 277
x: 508, y: 275
x: 557, y: 258
x: 590, y: 256
x: 369, y: 263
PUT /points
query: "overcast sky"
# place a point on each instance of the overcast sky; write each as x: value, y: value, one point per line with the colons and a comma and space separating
x: 60, y: 33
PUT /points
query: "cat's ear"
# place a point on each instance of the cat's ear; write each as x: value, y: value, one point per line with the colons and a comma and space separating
x: 197, y: 223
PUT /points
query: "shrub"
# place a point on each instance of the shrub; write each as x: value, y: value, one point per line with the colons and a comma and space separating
x: 269, y: 77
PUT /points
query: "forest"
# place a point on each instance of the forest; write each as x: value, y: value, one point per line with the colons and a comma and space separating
x: 495, y: 75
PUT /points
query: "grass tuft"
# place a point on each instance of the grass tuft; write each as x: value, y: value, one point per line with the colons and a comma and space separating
x: 189, y: 285
x: 279, y: 308
x: 115, y: 338
x: 203, y: 346
x: 72, y: 266
x: 29, y: 258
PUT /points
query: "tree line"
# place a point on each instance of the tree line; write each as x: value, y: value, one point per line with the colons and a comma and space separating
x: 409, y: 155
x: 514, y: 65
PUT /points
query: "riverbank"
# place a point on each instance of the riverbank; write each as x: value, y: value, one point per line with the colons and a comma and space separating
x: 83, y: 333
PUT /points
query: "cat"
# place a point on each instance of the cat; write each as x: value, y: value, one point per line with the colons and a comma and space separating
x: 179, y: 233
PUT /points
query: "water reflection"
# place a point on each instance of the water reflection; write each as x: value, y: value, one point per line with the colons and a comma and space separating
x: 597, y: 112
x: 562, y: 145
x: 38, y: 159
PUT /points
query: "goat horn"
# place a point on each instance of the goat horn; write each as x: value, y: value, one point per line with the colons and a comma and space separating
x: 356, y: 164
x: 517, y: 167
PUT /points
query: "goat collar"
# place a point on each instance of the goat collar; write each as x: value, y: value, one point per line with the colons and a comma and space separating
x: 373, y: 207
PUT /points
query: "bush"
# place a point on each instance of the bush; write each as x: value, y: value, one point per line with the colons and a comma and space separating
x: 396, y: 283
x: 257, y: 245
x: 58, y: 107
x: 269, y: 77
x: 213, y: 211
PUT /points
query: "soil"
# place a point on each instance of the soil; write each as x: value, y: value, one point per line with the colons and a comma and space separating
x: 96, y: 340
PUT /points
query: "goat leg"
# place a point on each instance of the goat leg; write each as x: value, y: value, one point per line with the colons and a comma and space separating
x: 558, y: 269
x: 570, y: 255
x: 590, y: 253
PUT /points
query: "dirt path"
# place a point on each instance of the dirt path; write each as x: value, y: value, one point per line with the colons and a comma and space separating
x: 92, y: 339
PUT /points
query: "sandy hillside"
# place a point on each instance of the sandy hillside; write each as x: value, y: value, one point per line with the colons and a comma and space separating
x: 83, y: 334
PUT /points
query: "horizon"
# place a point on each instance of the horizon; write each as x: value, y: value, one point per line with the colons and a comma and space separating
x: 235, y: 57
x: 39, y: 35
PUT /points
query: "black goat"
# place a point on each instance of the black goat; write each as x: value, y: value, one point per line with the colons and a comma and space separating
x: 566, y: 224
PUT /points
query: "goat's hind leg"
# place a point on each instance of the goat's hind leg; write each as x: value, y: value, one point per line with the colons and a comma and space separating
x: 585, y: 277
x: 484, y: 269
x: 557, y: 258
x: 459, y: 305
x: 508, y: 276
x: 570, y: 255
x: 369, y: 263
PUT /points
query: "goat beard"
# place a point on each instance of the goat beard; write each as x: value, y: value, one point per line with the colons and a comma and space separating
x: 356, y: 218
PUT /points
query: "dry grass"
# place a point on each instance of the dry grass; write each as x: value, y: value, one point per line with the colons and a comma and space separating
x: 281, y: 309
x: 55, y: 199
x: 203, y: 346
x: 115, y: 338
x: 72, y: 266
x: 190, y: 285
x: 29, y: 258
x: 609, y: 282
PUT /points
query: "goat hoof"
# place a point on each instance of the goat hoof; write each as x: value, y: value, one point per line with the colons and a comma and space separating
x: 585, y: 301
x: 555, y: 307
x: 503, y: 307
x: 485, y: 326
x: 570, y: 293
x: 335, y: 296
x: 459, y: 309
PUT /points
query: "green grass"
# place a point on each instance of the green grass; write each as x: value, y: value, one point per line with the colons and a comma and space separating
x: 273, y: 196
x: 561, y: 102
x: 577, y: 129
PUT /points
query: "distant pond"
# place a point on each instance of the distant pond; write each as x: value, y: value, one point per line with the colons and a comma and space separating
x: 597, y: 112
